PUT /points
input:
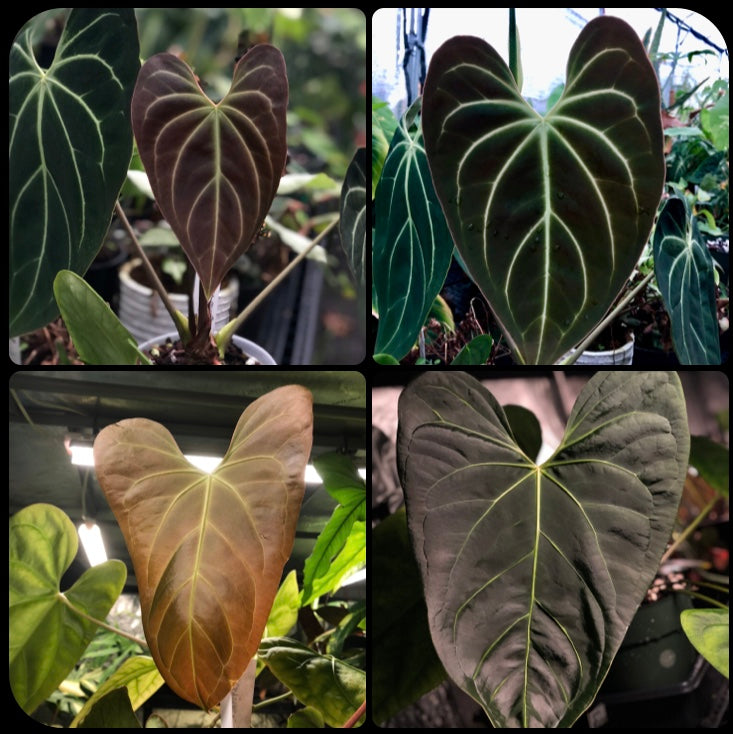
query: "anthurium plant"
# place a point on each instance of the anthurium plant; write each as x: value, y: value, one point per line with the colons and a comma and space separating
x: 214, y: 169
x: 208, y: 551
x: 549, y: 213
x: 532, y: 572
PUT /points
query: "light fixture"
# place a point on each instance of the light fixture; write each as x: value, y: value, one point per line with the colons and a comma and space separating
x: 82, y: 454
x: 91, y: 540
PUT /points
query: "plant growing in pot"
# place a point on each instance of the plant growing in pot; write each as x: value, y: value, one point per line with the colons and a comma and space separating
x: 548, y: 214
x: 214, y: 168
x: 531, y: 574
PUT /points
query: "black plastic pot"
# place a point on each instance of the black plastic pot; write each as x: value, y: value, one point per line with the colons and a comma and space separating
x: 658, y: 680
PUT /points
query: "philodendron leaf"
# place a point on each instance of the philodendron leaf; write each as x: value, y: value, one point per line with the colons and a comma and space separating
x: 208, y: 549
x: 138, y: 676
x: 48, y: 633
x: 531, y: 573
x: 712, y: 461
x: 352, y: 223
x: 98, y: 335
x: 333, y: 687
x: 550, y: 214
x: 526, y: 429
x: 477, y: 351
x: 70, y: 146
x: 306, y: 718
x: 214, y: 168
x: 685, y: 274
x: 412, y: 247
x: 709, y: 632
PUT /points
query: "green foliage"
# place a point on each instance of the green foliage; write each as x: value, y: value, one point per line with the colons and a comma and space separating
x: 708, y: 631
x: 49, y: 630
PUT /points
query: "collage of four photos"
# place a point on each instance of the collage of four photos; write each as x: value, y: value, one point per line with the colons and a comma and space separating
x: 201, y: 327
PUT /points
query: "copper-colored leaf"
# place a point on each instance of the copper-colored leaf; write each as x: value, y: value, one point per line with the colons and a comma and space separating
x: 209, y: 549
x: 214, y: 168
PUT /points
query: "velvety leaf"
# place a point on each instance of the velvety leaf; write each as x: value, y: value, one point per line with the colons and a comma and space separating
x: 70, y: 145
x: 214, y: 168
x: 352, y: 223
x: 97, y: 333
x: 712, y: 461
x: 47, y: 632
x: 531, y: 573
x: 405, y: 665
x: 526, y: 429
x: 333, y: 687
x: 685, y: 274
x: 550, y: 214
x: 412, y: 247
x: 111, y: 711
x: 138, y: 676
x: 477, y: 351
x: 709, y: 632
x: 208, y: 549
x: 307, y: 718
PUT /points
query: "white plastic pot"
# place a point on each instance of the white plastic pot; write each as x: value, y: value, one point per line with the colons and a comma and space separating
x: 143, y: 314
x: 622, y: 355
x: 248, y: 347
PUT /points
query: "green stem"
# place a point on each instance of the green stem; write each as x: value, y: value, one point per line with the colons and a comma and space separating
x: 178, y: 319
x: 225, y: 334
x: 275, y: 699
x: 689, y: 529
x: 703, y: 597
x: 611, y: 316
x: 104, y: 625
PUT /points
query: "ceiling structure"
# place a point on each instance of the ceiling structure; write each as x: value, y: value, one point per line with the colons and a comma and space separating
x: 199, y: 407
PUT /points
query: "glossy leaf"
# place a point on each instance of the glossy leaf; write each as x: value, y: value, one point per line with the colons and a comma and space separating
x: 341, y: 545
x: 412, y: 246
x: 550, y: 214
x: 214, y: 168
x: 685, y: 274
x: 208, y: 549
x: 98, y: 335
x: 477, y: 351
x: 712, y: 461
x: 138, y: 676
x: 111, y: 711
x: 709, y: 632
x: 352, y: 223
x: 48, y: 633
x: 532, y: 574
x: 70, y: 145
x: 405, y: 665
x: 331, y: 686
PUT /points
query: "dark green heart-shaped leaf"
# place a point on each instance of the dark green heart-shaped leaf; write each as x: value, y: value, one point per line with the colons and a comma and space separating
x: 412, y: 247
x: 70, y: 146
x: 331, y: 686
x: 352, y: 223
x: 208, y: 548
x: 214, y: 168
x: 685, y: 274
x: 709, y: 632
x: 48, y: 633
x: 97, y: 333
x: 550, y: 214
x: 526, y: 429
x: 532, y: 574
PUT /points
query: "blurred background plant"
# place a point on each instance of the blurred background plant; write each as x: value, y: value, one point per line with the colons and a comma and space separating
x: 325, y: 54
